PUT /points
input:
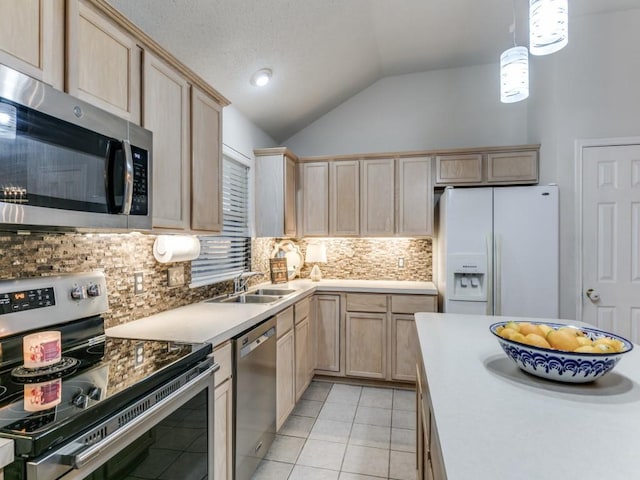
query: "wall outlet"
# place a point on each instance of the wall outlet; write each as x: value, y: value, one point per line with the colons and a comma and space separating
x: 175, y: 276
x: 138, y: 283
x: 400, y: 262
x: 139, y: 355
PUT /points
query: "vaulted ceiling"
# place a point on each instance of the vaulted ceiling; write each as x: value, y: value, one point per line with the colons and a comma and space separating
x: 324, y: 51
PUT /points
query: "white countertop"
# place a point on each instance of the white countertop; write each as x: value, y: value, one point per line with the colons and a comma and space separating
x: 218, y: 322
x: 496, y: 422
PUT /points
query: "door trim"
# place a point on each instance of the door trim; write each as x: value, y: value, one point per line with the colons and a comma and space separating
x: 580, y: 145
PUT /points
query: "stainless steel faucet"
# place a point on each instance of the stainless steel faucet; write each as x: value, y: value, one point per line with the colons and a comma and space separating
x: 241, y: 281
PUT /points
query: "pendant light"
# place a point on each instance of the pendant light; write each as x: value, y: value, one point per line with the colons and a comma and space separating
x: 548, y: 26
x: 514, y: 75
x: 514, y: 70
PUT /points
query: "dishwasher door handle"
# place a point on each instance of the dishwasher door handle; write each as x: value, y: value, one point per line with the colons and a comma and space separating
x: 247, y: 349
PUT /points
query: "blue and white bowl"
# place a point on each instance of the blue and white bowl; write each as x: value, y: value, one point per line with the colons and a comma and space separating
x: 558, y: 365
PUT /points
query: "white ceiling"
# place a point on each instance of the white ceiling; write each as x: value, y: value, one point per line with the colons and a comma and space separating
x: 324, y: 51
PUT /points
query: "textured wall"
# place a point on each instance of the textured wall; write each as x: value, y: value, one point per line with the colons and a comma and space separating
x: 361, y: 258
x: 118, y: 255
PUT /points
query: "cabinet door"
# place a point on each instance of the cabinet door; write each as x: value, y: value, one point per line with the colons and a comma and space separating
x: 366, y: 344
x: 404, y: 348
x: 206, y: 163
x: 377, y: 210
x: 302, y: 357
x: 166, y: 114
x: 32, y: 38
x: 415, y: 197
x: 315, y: 198
x: 327, y: 333
x: 458, y: 169
x: 223, y: 432
x: 289, y: 197
x: 285, y: 378
x: 512, y: 167
x: 344, y: 196
x: 103, y: 62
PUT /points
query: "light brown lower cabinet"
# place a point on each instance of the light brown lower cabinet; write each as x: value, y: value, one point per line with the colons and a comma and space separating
x: 223, y: 414
x: 302, y: 357
x: 327, y: 334
x: 285, y: 378
x: 366, y: 344
x: 430, y: 464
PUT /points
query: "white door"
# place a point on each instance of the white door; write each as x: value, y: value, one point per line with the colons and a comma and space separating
x: 611, y: 238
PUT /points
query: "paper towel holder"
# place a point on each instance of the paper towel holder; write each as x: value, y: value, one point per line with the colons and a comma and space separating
x: 176, y: 248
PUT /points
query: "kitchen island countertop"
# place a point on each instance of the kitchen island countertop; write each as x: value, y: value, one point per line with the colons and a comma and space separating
x: 496, y: 422
x: 217, y: 322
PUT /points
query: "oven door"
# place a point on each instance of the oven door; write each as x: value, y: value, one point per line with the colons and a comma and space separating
x: 172, y: 439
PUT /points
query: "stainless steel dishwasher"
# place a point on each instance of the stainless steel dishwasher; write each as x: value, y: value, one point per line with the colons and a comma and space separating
x: 255, y: 396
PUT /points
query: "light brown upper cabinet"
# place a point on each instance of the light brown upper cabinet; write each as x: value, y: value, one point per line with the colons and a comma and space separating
x: 315, y: 198
x: 459, y: 169
x: 32, y: 38
x: 516, y: 165
x: 512, y: 167
x: 103, y: 62
x: 415, y: 197
x: 344, y: 198
x: 377, y: 207
x: 166, y: 112
x: 206, y: 162
x: 275, y: 174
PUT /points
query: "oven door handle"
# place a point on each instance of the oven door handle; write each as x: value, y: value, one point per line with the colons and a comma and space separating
x: 80, y: 458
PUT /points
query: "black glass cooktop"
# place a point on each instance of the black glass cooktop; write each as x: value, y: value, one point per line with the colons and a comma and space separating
x: 39, y: 413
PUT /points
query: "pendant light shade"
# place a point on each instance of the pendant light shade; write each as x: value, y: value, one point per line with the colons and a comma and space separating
x: 514, y: 75
x: 548, y: 26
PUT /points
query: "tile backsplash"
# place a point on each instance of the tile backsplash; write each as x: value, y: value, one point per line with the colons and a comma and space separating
x: 119, y: 256
x: 360, y: 258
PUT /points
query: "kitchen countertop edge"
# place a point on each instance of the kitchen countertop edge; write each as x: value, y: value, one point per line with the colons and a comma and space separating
x: 216, y: 323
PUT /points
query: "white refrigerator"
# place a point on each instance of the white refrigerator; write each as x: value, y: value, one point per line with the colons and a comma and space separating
x: 497, y: 251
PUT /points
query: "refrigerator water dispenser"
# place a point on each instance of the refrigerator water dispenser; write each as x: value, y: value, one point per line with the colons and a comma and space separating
x: 468, y: 277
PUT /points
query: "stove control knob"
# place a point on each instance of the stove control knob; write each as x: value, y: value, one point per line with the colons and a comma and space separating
x: 93, y: 290
x: 80, y: 400
x: 77, y: 293
x: 94, y: 393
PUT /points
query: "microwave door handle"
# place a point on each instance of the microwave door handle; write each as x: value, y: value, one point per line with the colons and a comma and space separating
x: 128, y: 178
x: 113, y: 146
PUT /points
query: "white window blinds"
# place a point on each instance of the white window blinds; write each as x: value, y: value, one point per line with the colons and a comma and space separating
x: 224, y: 256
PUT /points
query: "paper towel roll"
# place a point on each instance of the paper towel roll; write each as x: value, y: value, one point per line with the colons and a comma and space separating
x: 176, y: 248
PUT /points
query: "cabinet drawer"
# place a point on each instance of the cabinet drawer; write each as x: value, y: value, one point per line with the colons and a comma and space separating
x: 366, y: 302
x: 413, y: 303
x: 284, y: 321
x: 302, y: 309
x: 222, y: 356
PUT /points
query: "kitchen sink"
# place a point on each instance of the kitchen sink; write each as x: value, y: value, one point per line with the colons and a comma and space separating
x: 272, y: 291
x: 246, y: 298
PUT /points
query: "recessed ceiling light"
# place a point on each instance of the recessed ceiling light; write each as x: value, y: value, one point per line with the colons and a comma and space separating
x: 261, y: 77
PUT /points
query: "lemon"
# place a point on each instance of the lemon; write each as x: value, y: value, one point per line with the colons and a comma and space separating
x: 586, y: 349
x: 563, y: 340
x: 584, y: 341
x: 604, y: 348
x: 545, y: 329
x: 536, y: 340
x: 517, y: 337
x: 573, y: 330
x: 526, y: 328
x: 513, y: 326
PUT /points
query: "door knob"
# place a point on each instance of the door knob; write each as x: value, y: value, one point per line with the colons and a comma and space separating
x: 593, y: 295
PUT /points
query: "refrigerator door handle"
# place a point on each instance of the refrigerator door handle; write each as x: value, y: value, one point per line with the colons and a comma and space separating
x: 498, y: 274
x: 489, y: 275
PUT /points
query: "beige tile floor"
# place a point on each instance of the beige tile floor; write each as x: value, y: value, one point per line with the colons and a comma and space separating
x: 345, y: 432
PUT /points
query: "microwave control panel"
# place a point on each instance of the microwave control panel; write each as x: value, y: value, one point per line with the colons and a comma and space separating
x: 140, y: 203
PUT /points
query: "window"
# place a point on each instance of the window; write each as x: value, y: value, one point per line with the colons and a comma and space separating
x: 224, y: 256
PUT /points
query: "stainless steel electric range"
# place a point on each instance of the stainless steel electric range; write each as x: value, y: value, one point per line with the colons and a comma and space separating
x: 110, y: 407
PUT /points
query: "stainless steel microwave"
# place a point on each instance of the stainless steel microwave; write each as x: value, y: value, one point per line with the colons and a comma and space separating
x: 65, y: 164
